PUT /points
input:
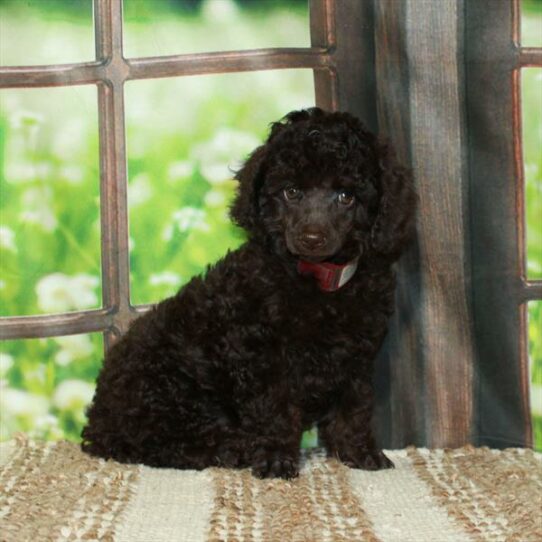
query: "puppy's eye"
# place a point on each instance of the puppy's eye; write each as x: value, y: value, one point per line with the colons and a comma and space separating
x: 291, y: 193
x: 345, y: 198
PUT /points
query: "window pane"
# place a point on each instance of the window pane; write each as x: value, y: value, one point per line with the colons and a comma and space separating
x: 531, y: 23
x: 45, y: 32
x: 531, y: 90
x: 179, y: 155
x: 46, y: 385
x: 166, y: 27
x: 49, y: 201
x: 535, y: 358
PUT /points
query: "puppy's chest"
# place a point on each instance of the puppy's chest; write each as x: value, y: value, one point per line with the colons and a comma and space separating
x: 319, y: 367
x: 319, y: 339
x: 320, y: 351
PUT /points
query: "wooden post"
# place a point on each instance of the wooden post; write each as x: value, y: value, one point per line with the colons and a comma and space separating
x: 430, y: 353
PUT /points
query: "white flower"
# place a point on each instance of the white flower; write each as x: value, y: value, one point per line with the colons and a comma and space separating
x: 216, y: 173
x: 220, y: 10
x: 6, y: 362
x: 214, y: 198
x: 536, y: 399
x: 72, y: 174
x: 25, y: 119
x: 533, y: 268
x: 167, y: 234
x: 37, y: 205
x: 139, y: 190
x: 185, y: 219
x: 46, y: 422
x: 19, y: 172
x: 531, y: 171
x: 38, y: 374
x: 2, y: 284
x: 69, y: 141
x: 22, y: 403
x: 43, y: 170
x: 222, y: 153
x: 73, y: 347
x: 73, y: 394
x: 46, y: 425
x: 7, y: 238
x: 60, y: 293
x: 180, y: 170
x: 166, y: 278
x: 43, y: 217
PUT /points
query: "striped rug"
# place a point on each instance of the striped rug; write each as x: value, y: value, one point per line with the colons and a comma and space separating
x: 52, y: 491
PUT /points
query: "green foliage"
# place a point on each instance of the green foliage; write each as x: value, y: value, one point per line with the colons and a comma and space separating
x: 310, y: 438
x: 531, y: 7
x: 531, y: 83
x: 531, y: 23
x: 535, y: 355
x: 537, y: 431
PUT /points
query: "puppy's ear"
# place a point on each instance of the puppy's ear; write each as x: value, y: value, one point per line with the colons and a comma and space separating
x: 244, y: 210
x: 395, y: 221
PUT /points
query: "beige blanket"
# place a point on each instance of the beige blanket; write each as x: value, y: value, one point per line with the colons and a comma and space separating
x: 52, y: 491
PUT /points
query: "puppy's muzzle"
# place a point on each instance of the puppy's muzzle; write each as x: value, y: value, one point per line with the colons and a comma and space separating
x: 312, y: 239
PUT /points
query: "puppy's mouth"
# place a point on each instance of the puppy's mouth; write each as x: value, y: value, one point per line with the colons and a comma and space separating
x: 330, y: 252
x: 317, y: 244
x: 316, y: 255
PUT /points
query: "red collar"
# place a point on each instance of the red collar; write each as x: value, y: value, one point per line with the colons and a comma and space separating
x: 330, y: 276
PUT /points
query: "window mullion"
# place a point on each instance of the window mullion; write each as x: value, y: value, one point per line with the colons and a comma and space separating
x: 113, y: 189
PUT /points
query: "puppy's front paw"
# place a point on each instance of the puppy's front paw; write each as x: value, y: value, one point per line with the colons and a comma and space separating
x: 366, y: 459
x: 274, y: 464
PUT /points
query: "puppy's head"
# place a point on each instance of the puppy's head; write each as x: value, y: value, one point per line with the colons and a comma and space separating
x: 323, y: 188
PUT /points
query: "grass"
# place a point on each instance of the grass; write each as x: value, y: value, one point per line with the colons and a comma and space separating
x: 184, y: 136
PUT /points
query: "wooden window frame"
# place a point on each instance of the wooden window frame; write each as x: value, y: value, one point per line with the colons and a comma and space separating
x: 501, y: 288
x: 109, y: 72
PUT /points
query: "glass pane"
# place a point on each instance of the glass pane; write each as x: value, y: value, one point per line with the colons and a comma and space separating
x: 49, y: 201
x: 535, y: 358
x: 531, y: 90
x: 531, y: 23
x: 179, y: 160
x: 166, y: 27
x: 45, y: 32
x: 46, y: 385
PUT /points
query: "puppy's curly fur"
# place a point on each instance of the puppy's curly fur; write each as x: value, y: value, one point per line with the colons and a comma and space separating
x: 232, y: 369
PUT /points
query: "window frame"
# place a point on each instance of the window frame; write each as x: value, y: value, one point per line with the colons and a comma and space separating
x: 501, y: 288
x: 109, y: 72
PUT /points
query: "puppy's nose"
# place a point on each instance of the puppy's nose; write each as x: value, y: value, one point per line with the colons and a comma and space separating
x: 312, y: 238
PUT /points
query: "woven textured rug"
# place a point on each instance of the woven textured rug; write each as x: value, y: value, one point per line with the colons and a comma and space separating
x: 52, y: 491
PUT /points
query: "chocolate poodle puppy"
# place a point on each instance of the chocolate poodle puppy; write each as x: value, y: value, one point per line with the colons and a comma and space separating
x: 280, y: 334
